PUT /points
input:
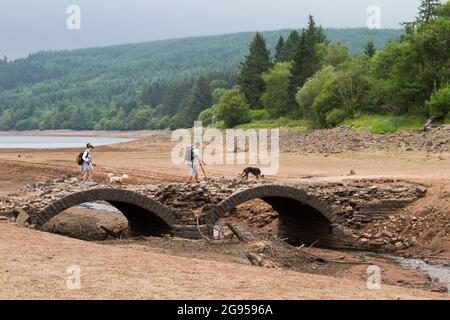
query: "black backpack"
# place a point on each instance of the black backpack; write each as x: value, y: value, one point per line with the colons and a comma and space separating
x: 189, y: 154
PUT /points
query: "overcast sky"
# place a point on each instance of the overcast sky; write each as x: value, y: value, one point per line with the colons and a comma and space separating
x: 28, y: 26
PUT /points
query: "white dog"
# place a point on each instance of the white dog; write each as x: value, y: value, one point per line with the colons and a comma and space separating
x: 117, y: 179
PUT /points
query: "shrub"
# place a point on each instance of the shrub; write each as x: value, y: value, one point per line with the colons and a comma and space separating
x: 335, y: 117
x: 439, y: 104
x: 233, y: 108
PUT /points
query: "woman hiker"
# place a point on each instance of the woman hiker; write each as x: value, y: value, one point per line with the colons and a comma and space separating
x: 87, y: 166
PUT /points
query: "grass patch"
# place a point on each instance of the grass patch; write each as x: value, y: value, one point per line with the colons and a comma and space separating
x: 296, y: 124
x: 387, y: 123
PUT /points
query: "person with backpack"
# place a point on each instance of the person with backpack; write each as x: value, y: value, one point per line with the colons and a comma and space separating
x: 86, y: 163
x: 193, y: 159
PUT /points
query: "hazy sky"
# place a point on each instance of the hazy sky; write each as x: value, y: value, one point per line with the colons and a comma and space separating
x: 32, y: 25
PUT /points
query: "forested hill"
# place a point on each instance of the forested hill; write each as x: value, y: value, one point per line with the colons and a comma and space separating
x: 101, y: 77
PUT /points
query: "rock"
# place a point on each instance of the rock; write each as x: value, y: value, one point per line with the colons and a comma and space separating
x: 352, y: 172
x: 421, y: 191
x: 22, y: 217
x: 387, y: 233
x: 399, y: 245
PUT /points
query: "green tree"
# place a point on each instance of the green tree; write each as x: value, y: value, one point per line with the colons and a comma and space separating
x: 275, y: 99
x: 313, y: 88
x: 370, y: 50
x: 201, y: 97
x: 428, y: 10
x: 439, y: 104
x: 279, y: 49
x: 306, y: 59
x: 287, y: 52
x: 333, y: 54
x: 255, y: 64
x: 233, y: 109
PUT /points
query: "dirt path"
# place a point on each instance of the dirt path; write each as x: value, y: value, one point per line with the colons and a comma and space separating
x: 37, y: 270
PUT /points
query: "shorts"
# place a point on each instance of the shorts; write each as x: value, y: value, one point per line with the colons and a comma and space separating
x: 86, y: 166
x: 193, y: 171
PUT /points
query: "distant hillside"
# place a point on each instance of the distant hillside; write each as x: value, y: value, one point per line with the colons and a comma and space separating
x: 102, y: 76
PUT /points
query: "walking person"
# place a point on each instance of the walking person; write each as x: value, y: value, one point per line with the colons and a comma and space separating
x: 87, y: 166
x: 194, y: 162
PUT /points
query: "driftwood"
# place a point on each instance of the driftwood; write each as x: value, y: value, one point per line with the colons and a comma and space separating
x: 235, y: 232
x: 111, y: 233
x: 200, y: 231
x: 323, y: 259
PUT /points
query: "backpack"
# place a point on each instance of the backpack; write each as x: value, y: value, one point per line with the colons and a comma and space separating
x: 79, y: 160
x: 189, y: 154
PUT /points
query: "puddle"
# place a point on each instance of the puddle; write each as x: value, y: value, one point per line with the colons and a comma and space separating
x: 98, y: 207
x: 435, y: 271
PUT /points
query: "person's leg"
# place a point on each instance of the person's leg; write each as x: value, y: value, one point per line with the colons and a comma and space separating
x: 85, y: 175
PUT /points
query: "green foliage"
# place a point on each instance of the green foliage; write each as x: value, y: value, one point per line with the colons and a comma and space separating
x: 255, y: 64
x: 333, y: 54
x: 439, y: 104
x: 335, y: 117
x: 428, y: 10
x: 207, y: 116
x: 297, y: 124
x: 116, y: 87
x: 306, y: 58
x: 233, y: 108
x: 370, y: 49
x: 313, y: 87
x: 386, y: 123
x: 275, y: 98
x: 258, y: 115
x: 279, y: 50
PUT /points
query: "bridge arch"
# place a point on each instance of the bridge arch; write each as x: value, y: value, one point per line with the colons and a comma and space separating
x: 303, y: 218
x: 145, y: 215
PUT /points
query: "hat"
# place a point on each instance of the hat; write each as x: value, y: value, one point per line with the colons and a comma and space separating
x: 90, y: 146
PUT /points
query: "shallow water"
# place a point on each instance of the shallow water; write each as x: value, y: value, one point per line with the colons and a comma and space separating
x: 54, y: 142
x: 435, y: 271
x: 98, y: 207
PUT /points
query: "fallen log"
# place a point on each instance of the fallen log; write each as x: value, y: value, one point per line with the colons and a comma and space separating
x: 236, y: 232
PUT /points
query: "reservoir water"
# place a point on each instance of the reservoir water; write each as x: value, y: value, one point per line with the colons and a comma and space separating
x: 54, y: 142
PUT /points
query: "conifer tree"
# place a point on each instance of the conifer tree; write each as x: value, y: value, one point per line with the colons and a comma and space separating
x: 370, y: 49
x: 255, y: 64
x: 428, y: 10
x: 306, y: 58
x: 279, y: 50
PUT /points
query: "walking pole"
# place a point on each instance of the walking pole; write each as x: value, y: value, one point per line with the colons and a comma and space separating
x: 203, y: 170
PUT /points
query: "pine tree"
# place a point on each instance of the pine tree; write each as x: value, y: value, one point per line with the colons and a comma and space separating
x: 255, y: 64
x: 306, y: 59
x: 290, y: 46
x: 201, y: 96
x: 428, y: 10
x: 370, y: 49
x: 279, y: 50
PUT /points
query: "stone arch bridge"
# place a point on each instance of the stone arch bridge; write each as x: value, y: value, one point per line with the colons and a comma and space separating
x: 308, y: 213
